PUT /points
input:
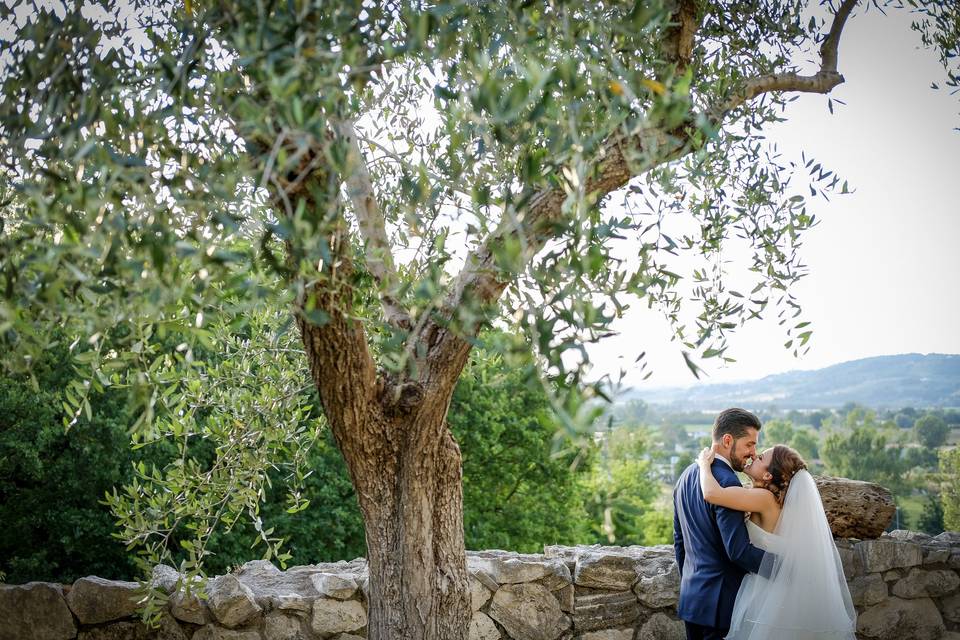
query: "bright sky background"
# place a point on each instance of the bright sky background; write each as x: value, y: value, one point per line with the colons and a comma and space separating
x: 884, y: 262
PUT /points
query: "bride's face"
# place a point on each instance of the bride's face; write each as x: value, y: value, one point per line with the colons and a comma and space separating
x: 758, y: 469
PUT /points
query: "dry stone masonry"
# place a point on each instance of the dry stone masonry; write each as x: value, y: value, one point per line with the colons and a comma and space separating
x: 904, y: 585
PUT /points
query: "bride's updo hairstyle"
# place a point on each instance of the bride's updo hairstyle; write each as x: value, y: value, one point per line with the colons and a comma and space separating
x: 785, y: 462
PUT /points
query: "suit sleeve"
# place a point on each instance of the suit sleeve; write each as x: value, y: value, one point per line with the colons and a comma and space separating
x: 677, y: 535
x: 733, y: 532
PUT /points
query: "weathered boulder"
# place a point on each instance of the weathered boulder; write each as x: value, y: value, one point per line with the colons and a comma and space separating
x: 896, y: 619
x: 164, y: 578
x: 483, y: 628
x: 189, y: 608
x: 608, y: 634
x: 658, y: 585
x: 231, y: 601
x: 128, y: 630
x: 213, y: 632
x: 596, y: 609
x: 604, y: 570
x: 278, y: 626
x: 855, y: 509
x: 866, y: 591
x: 504, y: 567
x: 337, y: 616
x: 921, y: 583
x: 35, y: 611
x: 479, y: 594
x: 885, y: 554
x: 332, y: 585
x: 95, y: 600
x: 850, y: 558
x: 528, y: 612
x: 950, y: 607
x: 662, y: 627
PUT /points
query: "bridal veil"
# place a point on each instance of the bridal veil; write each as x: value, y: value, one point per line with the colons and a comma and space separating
x: 801, y: 592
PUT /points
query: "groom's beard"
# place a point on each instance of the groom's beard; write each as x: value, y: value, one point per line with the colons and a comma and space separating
x: 736, y: 461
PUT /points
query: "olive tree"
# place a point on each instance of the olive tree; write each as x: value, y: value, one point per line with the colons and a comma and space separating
x: 399, y: 175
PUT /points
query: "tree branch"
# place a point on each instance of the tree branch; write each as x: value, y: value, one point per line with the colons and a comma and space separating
x: 379, y: 259
x: 678, y: 39
x: 821, y: 82
x: 622, y: 156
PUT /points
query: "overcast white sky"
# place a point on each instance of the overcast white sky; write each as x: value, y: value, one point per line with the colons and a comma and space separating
x: 884, y: 261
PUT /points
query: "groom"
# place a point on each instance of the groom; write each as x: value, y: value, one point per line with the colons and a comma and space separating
x: 711, y: 542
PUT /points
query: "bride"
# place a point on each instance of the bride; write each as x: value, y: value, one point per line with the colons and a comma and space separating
x: 800, y: 592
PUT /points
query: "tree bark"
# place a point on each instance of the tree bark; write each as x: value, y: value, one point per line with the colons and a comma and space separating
x: 415, y: 548
x: 406, y: 468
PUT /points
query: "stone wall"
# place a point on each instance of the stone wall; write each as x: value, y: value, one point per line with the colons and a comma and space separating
x: 905, y: 585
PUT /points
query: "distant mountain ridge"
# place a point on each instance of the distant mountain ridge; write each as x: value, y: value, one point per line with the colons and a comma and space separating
x: 905, y: 380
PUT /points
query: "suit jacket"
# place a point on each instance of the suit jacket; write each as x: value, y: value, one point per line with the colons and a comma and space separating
x: 712, y: 547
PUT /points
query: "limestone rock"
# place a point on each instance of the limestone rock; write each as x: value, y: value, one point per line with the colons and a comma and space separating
x: 231, y: 601
x: 950, y: 608
x: 886, y: 554
x: 483, y: 628
x: 277, y: 626
x: 272, y: 587
x: 601, y: 570
x: 659, y: 583
x: 128, y: 630
x: 608, y: 634
x: 596, y: 609
x: 164, y: 578
x: 95, y: 600
x: 35, y: 611
x: 935, y: 554
x: 189, y: 608
x: 124, y: 630
x: 332, y: 585
x: 566, y: 598
x: 905, y: 535
x: 950, y: 538
x: 850, y: 558
x: 660, y: 626
x: 920, y: 583
x: 213, y: 632
x: 337, y: 616
x: 514, y: 568
x: 896, y: 619
x: 479, y: 594
x: 855, y: 509
x: 528, y: 612
x: 866, y: 591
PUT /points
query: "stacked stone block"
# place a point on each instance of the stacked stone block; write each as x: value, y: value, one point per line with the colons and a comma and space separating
x: 903, y: 584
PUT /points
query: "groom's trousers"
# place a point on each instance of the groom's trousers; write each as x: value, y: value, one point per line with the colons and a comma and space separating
x: 700, y: 632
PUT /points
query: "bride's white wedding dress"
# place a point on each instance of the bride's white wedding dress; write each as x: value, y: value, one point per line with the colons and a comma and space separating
x: 801, y: 592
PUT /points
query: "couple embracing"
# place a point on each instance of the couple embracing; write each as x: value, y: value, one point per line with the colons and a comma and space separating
x: 756, y: 563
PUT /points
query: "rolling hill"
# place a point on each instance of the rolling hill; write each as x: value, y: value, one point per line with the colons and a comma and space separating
x: 913, y: 379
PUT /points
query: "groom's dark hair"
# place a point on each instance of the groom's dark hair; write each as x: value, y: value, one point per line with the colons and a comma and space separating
x: 735, y: 422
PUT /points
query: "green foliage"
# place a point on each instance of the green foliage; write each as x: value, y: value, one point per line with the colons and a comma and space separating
x: 861, y: 452
x: 521, y: 479
x: 950, y: 488
x: 621, y: 491
x: 931, y: 519
x: 51, y: 480
x: 783, y: 432
x: 932, y: 431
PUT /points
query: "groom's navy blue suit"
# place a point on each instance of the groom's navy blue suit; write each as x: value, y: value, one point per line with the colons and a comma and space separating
x: 713, y: 553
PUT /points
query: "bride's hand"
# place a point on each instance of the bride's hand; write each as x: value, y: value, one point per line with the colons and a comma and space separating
x: 705, y: 459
